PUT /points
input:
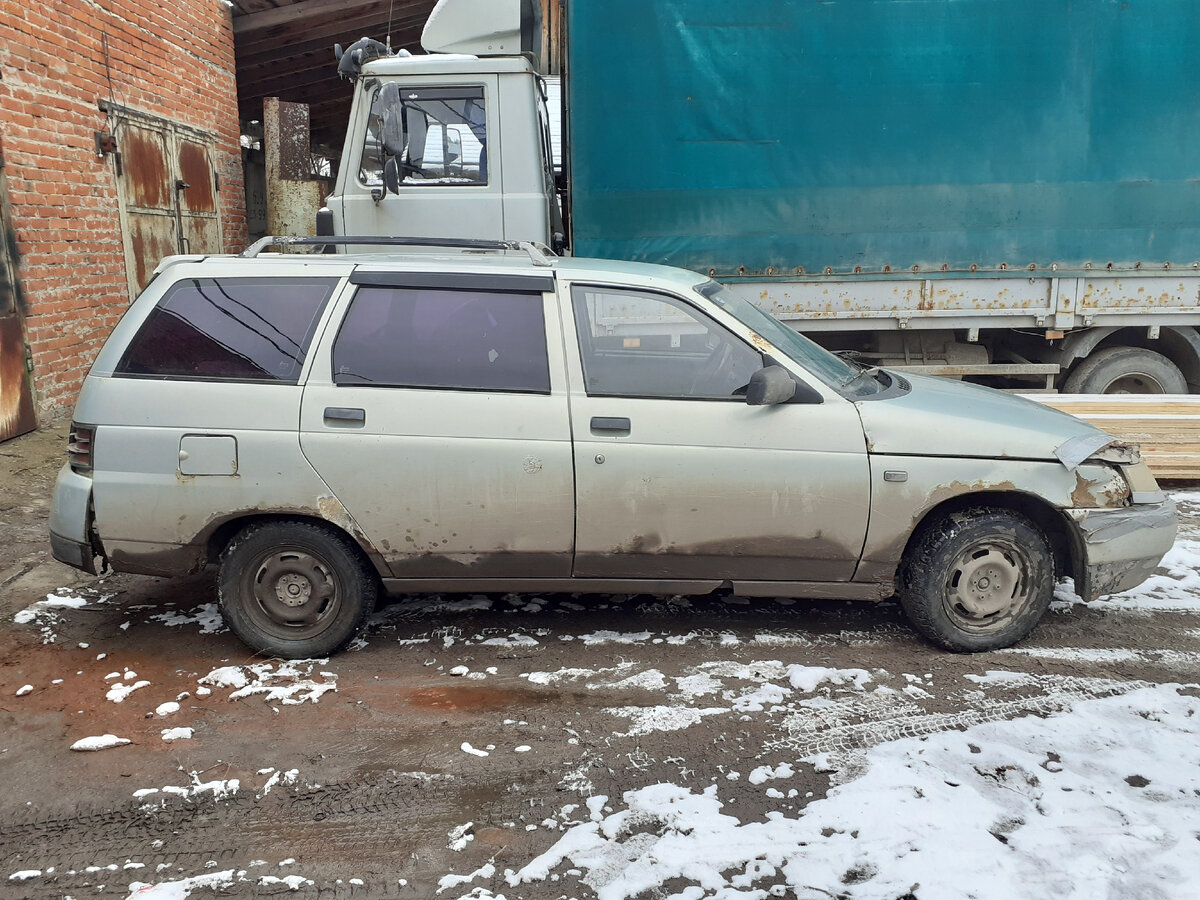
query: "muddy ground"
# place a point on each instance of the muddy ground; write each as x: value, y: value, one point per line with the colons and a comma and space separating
x: 464, y: 730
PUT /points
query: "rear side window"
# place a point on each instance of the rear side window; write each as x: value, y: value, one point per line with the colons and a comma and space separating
x: 229, y: 329
x: 442, y: 338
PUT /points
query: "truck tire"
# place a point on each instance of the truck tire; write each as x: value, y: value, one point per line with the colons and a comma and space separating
x: 295, y: 589
x: 1125, y: 370
x: 979, y: 579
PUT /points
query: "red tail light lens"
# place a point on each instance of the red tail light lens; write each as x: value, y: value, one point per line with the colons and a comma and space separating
x: 79, y: 447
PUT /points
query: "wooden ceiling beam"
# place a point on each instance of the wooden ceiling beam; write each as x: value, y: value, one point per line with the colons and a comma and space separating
x: 293, y: 81
x: 305, y: 10
x: 275, y: 55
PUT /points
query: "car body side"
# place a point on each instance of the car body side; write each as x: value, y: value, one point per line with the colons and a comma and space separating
x: 179, y: 467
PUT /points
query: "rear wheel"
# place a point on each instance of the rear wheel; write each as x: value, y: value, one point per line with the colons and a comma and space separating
x: 1126, y: 370
x: 295, y: 589
x: 977, y: 580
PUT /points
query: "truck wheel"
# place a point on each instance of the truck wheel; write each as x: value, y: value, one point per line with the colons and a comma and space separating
x: 1126, y: 370
x: 295, y: 589
x: 977, y: 580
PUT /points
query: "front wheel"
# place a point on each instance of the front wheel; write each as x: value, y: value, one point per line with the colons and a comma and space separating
x: 977, y: 580
x: 295, y: 589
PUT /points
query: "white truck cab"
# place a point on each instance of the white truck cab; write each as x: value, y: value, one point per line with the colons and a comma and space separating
x: 426, y: 155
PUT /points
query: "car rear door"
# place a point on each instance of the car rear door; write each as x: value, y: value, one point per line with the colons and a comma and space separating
x: 437, y: 414
x: 678, y: 478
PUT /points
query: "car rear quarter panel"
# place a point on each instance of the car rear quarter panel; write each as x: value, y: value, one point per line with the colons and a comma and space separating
x: 151, y: 517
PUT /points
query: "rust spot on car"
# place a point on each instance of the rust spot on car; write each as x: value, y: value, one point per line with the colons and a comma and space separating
x: 760, y: 342
x: 1100, y: 493
x: 332, y: 510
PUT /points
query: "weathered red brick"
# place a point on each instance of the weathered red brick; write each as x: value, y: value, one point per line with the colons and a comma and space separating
x: 172, y: 60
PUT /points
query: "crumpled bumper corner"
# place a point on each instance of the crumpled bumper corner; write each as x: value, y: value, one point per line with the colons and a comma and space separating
x: 1121, y: 547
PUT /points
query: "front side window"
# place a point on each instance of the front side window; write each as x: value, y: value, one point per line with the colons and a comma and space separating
x: 229, y: 329
x: 443, y: 338
x: 437, y: 136
x: 637, y: 344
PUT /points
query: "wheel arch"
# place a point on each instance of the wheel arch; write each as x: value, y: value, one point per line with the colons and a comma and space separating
x: 1179, y: 343
x: 1047, y: 518
x: 224, y: 532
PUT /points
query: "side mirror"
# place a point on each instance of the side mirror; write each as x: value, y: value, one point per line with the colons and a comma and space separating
x: 391, y: 115
x: 391, y: 175
x: 770, y: 386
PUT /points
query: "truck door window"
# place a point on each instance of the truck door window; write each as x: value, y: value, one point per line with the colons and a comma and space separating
x: 635, y: 344
x: 443, y: 338
x: 443, y: 137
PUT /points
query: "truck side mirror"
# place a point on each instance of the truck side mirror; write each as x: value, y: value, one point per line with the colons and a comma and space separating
x: 391, y: 115
x: 391, y: 175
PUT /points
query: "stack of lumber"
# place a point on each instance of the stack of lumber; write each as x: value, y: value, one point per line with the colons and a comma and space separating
x: 1167, y: 426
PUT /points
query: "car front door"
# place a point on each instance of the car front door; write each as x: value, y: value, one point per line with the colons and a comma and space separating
x: 439, y: 420
x: 678, y: 478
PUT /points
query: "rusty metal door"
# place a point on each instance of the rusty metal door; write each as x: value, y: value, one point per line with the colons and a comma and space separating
x: 168, y: 193
x: 16, y: 392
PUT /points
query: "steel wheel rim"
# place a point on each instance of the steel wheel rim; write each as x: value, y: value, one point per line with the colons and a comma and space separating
x: 293, y: 593
x: 989, y: 583
x: 1134, y: 383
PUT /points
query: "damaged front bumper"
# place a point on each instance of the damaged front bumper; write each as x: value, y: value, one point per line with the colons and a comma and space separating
x: 1121, y: 547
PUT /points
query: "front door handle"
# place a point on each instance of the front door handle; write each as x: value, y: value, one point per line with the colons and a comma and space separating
x: 611, y: 425
x: 345, y: 415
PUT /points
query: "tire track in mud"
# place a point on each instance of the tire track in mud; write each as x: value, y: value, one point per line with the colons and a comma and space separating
x: 862, y: 723
x: 354, y: 825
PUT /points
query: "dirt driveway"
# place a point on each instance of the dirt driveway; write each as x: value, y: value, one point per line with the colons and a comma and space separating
x: 584, y: 746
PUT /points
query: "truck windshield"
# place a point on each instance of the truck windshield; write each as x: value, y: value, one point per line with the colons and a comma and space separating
x: 832, y: 370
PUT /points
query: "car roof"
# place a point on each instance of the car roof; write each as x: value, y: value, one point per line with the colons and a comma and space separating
x: 502, y: 263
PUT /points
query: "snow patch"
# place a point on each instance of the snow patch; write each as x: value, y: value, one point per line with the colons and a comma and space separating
x: 647, y: 719
x: 615, y: 637
x: 289, y: 683
x: 1101, y: 800
x: 99, y: 742
x: 181, y: 889
x: 45, y: 613
x: 807, y: 678
x: 118, y: 692
x: 206, y: 615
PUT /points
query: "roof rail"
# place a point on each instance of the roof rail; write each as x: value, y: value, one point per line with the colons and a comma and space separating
x: 539, y: 254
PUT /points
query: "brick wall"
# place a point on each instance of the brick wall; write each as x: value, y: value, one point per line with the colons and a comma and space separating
x: 172, y: 60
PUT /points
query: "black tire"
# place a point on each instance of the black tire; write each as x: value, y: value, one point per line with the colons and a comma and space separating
x: 977, y: 580
x: 1126, y: 370
x: 295, y: 589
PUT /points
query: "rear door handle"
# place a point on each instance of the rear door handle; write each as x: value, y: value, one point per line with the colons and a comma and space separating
x: 345, y: 414
x: 610, y: 425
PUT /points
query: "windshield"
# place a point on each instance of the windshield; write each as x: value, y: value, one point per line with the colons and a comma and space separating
x: 832, y: 370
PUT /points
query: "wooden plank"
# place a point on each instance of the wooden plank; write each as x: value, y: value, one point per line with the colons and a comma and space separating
x: 1166, y: 427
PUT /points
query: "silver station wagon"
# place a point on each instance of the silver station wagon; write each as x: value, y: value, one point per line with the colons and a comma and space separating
x: 329, y: 427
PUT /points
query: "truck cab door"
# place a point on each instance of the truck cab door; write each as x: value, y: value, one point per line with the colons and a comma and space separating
x: 443, y: 138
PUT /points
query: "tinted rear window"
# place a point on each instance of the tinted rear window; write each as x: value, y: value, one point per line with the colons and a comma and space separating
x: 451, y: 339
x: 229, y: 329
